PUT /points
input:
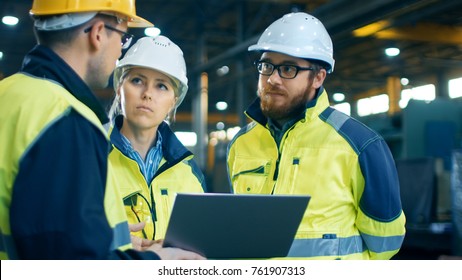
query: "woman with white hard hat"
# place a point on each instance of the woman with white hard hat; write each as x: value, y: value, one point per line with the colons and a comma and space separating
x: 150, y: 162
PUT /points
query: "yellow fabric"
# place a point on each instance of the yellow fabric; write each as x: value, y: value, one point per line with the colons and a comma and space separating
x: 23, y: 120
x: 313, y: 159
x: 137, y: 194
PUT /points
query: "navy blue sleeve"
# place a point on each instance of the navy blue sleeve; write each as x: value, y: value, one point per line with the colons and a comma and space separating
x: 381, y: 197
x: 57, y: 207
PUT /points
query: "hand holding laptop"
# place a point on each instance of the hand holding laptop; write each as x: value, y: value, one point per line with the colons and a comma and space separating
x: 156, y: 246
x: 170, y: 253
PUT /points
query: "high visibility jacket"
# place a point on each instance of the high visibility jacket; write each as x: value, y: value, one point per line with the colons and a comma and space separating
x: 152, y: 203
x: 355, y: 210
x: 58, y: 196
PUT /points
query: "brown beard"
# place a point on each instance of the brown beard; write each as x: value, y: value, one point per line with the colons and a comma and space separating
x: 285, y: 112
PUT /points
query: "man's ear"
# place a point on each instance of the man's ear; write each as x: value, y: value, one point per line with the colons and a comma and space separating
x: 95, y: 35
x: 319, y: 78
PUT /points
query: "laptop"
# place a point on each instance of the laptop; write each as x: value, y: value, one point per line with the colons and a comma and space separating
x: 233, y: 226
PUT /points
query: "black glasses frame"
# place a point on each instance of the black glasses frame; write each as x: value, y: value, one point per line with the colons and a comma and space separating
x: 296, y: 69
x: 126, y: 39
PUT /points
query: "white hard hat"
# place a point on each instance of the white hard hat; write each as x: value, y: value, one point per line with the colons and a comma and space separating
x: 159, y: 54
x: 63, y: 21
x: 299, y: 35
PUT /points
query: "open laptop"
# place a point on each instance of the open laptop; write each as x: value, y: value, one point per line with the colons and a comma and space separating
x: 230, y: 226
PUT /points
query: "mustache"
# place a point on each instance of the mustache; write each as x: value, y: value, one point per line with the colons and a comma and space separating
x: 271, y: 89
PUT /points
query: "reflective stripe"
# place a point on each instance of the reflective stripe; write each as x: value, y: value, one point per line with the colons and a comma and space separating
x: 380, y: 244
x: 336, y: 118
x: 121, y: 236
x: 7, y: 246
x: 318, y: 247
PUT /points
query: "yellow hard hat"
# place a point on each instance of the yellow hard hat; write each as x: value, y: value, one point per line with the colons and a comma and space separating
x: 122, y: 7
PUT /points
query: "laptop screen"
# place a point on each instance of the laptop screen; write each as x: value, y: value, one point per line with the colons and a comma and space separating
x: 225, y: 226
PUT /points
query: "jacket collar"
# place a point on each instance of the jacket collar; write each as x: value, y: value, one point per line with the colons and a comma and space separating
x: 172, y: 149
x: 42, y: 62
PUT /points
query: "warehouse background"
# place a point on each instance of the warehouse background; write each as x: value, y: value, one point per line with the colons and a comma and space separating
x: 416, y: 93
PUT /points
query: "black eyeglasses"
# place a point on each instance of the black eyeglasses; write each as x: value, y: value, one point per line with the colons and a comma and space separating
x: 126, y: 37
x: 284, y: 71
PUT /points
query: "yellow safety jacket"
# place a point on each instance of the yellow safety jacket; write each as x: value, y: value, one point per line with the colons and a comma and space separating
x: 355, y: 210
x: 152, y: 203
x: 57, y: 200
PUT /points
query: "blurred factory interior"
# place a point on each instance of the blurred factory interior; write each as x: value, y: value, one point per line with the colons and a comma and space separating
x: 412, y: 98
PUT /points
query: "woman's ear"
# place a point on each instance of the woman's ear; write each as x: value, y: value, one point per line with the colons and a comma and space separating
x: 173, y: 105
x: 175, y: 101
x: 171, y: 112
x: 118, y: 90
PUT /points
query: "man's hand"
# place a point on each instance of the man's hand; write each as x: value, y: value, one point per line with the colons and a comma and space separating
x: 155, y: 246
x: 169, y: 253
x: 139, y: 243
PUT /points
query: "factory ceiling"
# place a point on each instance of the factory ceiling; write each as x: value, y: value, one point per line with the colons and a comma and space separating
x: 217, y: 33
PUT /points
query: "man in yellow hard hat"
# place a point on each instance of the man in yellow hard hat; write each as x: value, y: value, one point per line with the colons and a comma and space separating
x: 58, y: 198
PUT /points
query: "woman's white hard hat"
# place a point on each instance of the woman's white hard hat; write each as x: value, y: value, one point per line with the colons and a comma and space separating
x: 159, y: 54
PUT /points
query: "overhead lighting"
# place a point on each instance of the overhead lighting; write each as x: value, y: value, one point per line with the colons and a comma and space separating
x: 404, y: 81
x: 372, y: 28
x: 152, y: 31
x: 189, y: 139
x: 1, y: 55
x: 344, y: 107
x: 220, y: 125
x: 392, y: 51
x: 10, y: 20
x: 223, y: 70
x: 338, y: 97
x: 221, y: 106
x: 231, y: 132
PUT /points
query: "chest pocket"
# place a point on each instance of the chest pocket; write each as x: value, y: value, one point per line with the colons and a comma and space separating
x: 251, y: 176
x: 139, y: 209
x: 164, y: 203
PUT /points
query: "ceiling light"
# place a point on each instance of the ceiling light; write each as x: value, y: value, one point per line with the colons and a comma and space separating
x: 371, y: 29
x: 152, y: 31
x: 10, y: 20
x: 223, y: 70
x: 393, y: 51
x: 338, y: 97
x: 187, y: 138
x: 404, y: 81
x: 1, y: 55
x: 221, y: 106
x: 220, y: 125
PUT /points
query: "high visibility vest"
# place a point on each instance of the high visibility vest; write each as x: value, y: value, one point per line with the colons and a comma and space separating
x: 24, y: 117
x: 355, y: 210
